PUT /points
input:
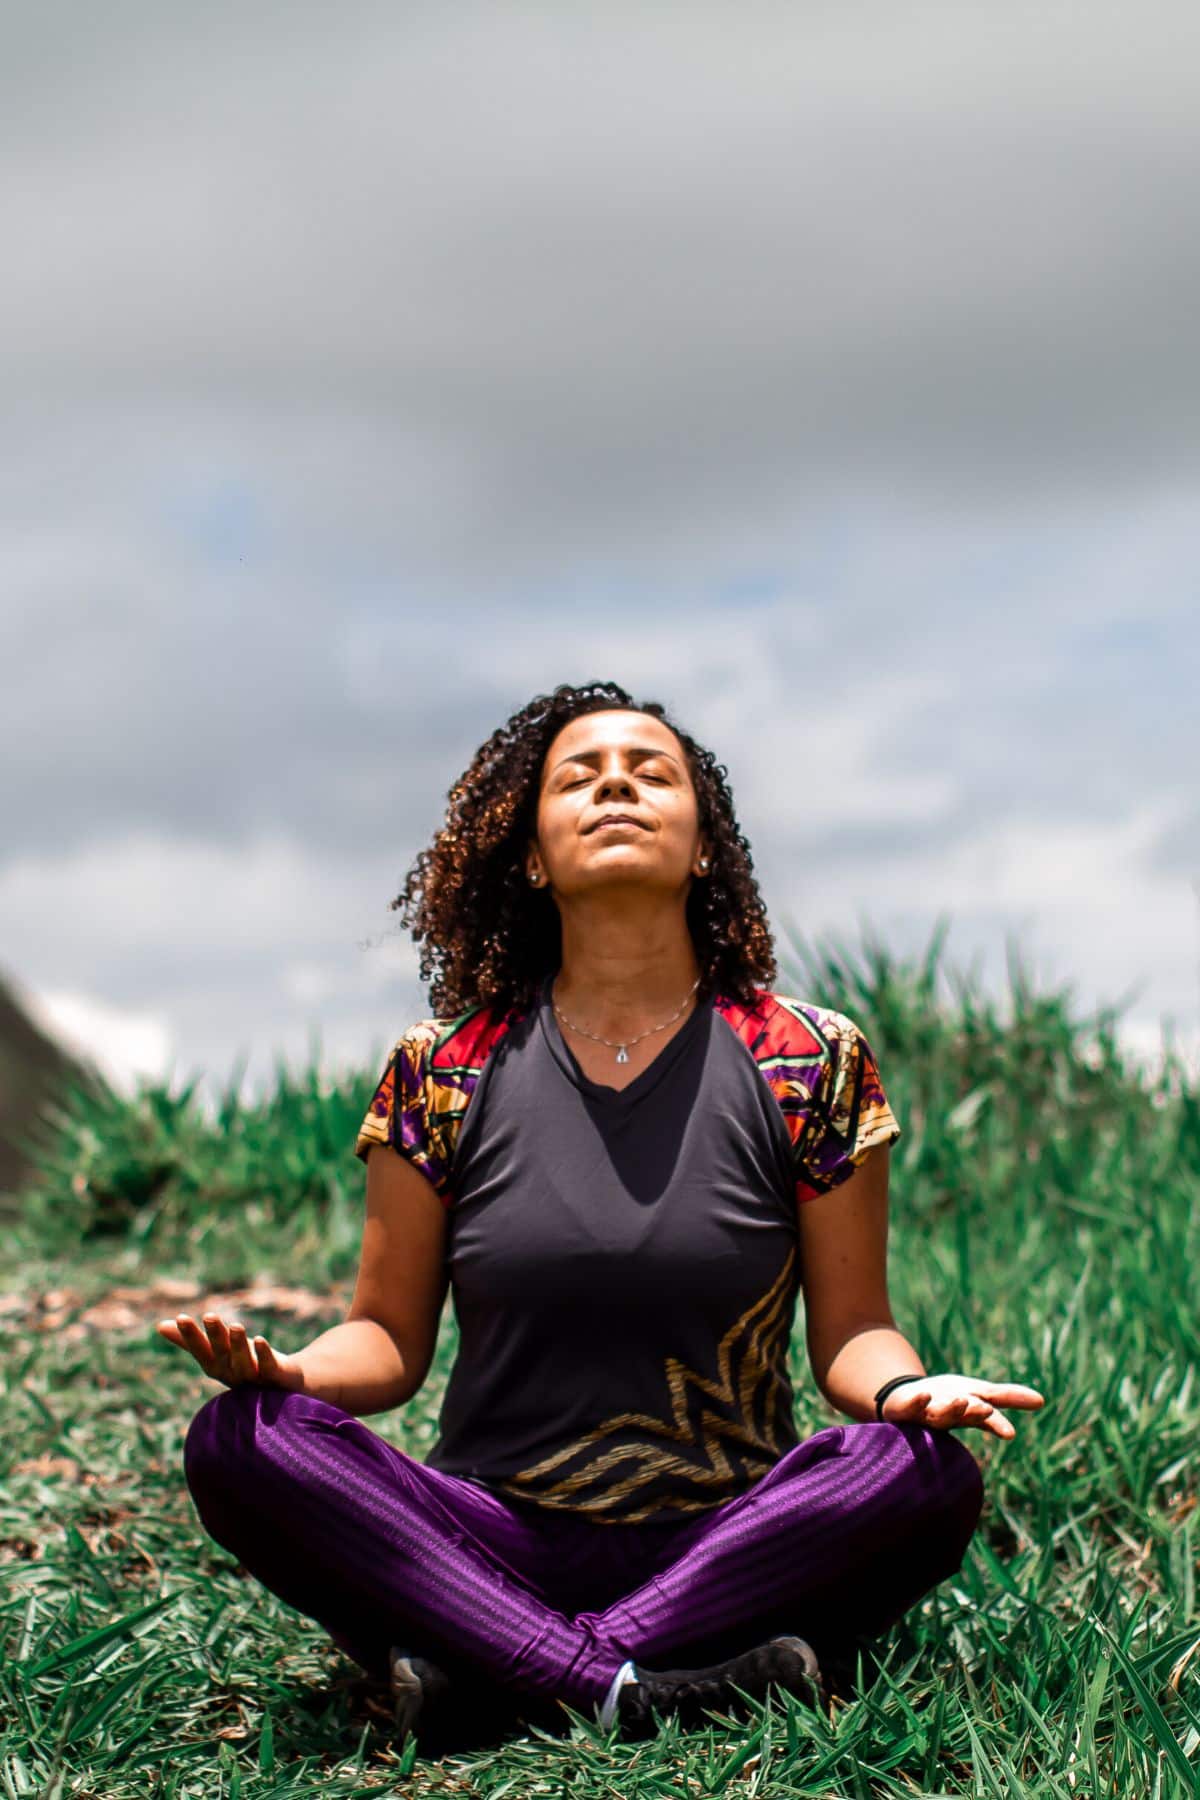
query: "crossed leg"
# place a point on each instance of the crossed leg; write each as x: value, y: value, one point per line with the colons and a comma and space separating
x: 846, y: 1532
x: 379, y: 1548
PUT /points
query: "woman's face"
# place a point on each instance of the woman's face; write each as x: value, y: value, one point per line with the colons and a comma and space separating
x: 615, y: 762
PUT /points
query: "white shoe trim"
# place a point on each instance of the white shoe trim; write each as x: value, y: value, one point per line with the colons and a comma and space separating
x: 608, y: 1711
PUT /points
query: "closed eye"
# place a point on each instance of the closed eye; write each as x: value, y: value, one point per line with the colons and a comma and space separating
x: 586, y: 781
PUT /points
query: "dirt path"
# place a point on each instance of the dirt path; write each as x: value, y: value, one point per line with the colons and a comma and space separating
x: 71, y: 1317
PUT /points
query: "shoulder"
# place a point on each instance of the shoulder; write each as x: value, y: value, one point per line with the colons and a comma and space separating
x: 420, y: 1098
x: 821, y: 1069
x: 783, y: 1029
x: 807, y: 1049
x: 447, y: 1050
x: 400, y: 1087
x: 441, y: 1052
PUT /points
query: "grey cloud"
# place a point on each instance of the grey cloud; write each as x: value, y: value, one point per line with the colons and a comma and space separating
x: 173, y: 680
x: 611, y: 269
x: 369, y: 371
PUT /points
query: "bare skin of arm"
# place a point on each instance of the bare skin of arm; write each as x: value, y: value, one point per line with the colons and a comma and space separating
x: 379, y: 1356
x: 854, y: 1343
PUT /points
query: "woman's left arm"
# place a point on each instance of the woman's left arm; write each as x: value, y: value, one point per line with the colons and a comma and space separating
x: 854, y: 1343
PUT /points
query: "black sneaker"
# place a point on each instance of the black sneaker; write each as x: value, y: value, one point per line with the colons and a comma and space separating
x: 456, y: 1708
x: 785, y: 1662
x: 420, y: 1690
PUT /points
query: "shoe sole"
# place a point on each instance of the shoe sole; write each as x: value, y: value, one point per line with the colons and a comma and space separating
x: 416, y: 1685
x: 780, y: 1672
x: 443, y: 1712
x: 805, y: 1684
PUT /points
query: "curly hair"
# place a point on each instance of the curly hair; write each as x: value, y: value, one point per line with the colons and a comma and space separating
x: 488, y: 937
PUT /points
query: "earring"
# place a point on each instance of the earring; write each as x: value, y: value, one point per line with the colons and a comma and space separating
x: 704, y: 862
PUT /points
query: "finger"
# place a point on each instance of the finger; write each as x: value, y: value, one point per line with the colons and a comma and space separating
x: 1007, y: 1397
x: 943, y: 1414
x: 908, y: 1405
x: 1001, y: 1426
x: 225, y: 1341
x: 240, y: 1354
x: 270, y: 1367
x: 975, y: 1411
x: 218, y: 1335
x: 196, y: 1340
x: 948, y: 1412
x: 1010, y: 1393
x: 917, y: 1398
x: 225, y: 1365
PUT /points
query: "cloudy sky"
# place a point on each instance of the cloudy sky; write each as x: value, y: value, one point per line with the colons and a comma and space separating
x: 828, y: 374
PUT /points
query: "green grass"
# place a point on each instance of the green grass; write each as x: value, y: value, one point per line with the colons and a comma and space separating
x: 1045, y: 1229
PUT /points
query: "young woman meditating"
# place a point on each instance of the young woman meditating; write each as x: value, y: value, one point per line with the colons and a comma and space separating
x: 626, y: 1155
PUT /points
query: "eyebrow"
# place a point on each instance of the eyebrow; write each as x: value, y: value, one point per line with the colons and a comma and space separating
x: 634, y: 750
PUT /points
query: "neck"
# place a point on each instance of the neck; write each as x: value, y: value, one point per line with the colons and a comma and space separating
x: 619, y: 972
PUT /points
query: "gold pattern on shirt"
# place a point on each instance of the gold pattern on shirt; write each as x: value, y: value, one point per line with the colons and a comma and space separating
x: 762, y: 1358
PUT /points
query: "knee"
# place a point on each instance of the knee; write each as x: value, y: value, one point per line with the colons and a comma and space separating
x: 217, y: 1438
x: 937, y: 1475
x: 959, y: 1482
x: 246, y: 1428
x: 234, y: 1428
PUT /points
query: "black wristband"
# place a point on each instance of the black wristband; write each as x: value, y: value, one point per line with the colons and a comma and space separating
x: 887, y: 1387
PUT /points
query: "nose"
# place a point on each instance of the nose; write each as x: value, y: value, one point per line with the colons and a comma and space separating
x: 615, y: 784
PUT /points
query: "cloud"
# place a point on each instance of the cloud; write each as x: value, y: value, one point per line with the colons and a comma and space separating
x: 601, y: 263
x: 966, y: 661
x: 174, y: 901
x: 180, y: 956
x: 1083, y: 902
x: 831, y: 378
x: 129, y: 1047
x: 249, y: 953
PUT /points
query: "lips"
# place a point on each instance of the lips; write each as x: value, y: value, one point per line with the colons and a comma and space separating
x: 617, y: 819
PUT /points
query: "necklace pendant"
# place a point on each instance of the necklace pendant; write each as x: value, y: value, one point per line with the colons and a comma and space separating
x: 621, y: 1056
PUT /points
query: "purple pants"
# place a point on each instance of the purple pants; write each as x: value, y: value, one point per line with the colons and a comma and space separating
x: 846, y: 1532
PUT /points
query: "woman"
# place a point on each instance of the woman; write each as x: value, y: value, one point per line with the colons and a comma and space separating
x: 619, y: 1148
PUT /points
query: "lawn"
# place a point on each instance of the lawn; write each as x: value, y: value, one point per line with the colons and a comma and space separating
x: 1045, y: 1229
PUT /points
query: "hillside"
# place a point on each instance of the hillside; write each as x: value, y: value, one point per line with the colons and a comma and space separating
x: 33, y: 1069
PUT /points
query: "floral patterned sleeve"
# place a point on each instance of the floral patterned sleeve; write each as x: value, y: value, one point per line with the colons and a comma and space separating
x: 850, y: 1113
x: 399, y: 1111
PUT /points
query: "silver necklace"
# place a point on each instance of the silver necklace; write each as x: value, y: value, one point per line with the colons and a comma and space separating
x: 622, y: 1049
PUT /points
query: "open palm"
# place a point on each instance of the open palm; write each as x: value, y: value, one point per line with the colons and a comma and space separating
x: 226, y: 1354
x: 943, y: 1401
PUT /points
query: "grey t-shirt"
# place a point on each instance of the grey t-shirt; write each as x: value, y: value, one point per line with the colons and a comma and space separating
x: 624, y: 1265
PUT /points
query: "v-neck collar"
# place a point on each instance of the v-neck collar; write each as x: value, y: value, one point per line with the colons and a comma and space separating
x: 599, y: 1091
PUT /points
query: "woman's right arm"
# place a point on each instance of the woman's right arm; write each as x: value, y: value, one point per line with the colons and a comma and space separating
x: 378, y: 1357
x: 380, y: 1354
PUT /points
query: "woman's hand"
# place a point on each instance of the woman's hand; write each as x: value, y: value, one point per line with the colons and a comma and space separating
x: 225, y: 1354
x: 942, y: 1401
